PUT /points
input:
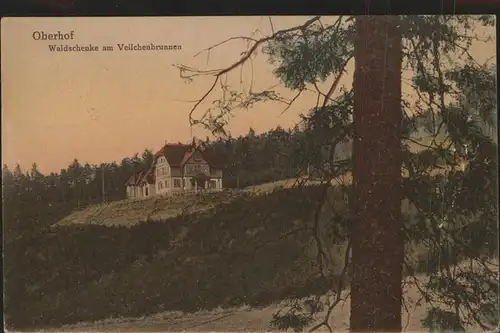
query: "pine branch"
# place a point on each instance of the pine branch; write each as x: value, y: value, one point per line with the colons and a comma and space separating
x: 217, y: 73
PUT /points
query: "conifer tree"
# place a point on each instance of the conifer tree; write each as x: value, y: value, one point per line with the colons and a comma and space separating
x: 442, y: 172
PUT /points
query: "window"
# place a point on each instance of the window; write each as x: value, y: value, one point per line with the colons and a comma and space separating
x: 146, y: 191
x: 197, y: 168
x: 213, y: 184
x: 166, y: 183
x: 177, y: 182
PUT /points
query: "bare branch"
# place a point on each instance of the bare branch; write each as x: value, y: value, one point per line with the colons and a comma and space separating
x: 245, y: 56
x: 201, y: 100
x: 208, y: 49
x: 437, y: 67
x: 338, y: 297
x: 293, y: 100
x: 336, y: 81
x: 251, y: 80
x: 321, y: 256
x: 271, y: 23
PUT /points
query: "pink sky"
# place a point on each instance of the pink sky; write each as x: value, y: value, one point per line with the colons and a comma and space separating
x: 104, y: 106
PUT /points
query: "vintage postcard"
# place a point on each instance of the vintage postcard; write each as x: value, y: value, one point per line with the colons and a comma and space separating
x: 250, y: 173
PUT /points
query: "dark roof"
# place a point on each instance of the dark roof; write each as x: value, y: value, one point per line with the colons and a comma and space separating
x: 186, y: 157
x: 178, y: 154
x: 174, y: 153
x: 138, y: 178
x: 135, y: 178
x: 148, y: 176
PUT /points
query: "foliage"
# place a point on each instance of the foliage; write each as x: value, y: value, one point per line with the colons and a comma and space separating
x: 438, y: 320
x: 450, y: 178
x: 190, y: 262
x: 450, y: 200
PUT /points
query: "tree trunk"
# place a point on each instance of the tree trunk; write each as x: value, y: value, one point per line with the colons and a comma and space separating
x: 377, y: 236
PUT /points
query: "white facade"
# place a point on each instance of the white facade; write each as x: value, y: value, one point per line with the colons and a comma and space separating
x: 186, y: 178
x: 163, y: 176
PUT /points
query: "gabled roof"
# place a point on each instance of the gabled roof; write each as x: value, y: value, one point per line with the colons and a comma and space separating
x: 135, y: 178
x: 174, y: 153
x: 140, y: 177
x: 186, y: 157
x: 178, y: 154
x: 148, y: 176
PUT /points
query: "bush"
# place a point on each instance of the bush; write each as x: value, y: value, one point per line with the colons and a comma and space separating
x: 230, y: 256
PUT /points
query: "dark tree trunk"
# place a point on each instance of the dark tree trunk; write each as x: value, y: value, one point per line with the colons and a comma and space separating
x: 378, y: 244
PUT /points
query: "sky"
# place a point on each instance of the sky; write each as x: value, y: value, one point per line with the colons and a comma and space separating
x: 104, y: 106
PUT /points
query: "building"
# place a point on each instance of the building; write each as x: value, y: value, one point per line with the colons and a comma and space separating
x: 177, y: 169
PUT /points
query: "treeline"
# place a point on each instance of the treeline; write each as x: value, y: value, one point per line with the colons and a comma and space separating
x: 64, y: 258
x: 247, y: 160
x: 255, y: 159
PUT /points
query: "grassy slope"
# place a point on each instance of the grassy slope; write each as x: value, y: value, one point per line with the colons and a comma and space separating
x: 235, y: 252
x: 225, y: 251
x: 128, y: 213
x: 245, y: 319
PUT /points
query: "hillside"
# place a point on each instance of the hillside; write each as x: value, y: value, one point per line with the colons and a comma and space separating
x: 257, y: 319
x: 239, y: 249
x: 243, y: 319
x: 128, y: 213
x: 252, y: 248
x: 246, y: 319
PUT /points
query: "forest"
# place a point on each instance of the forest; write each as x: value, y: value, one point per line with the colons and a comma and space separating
x: 443, y: 241
x: 252, y: 159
